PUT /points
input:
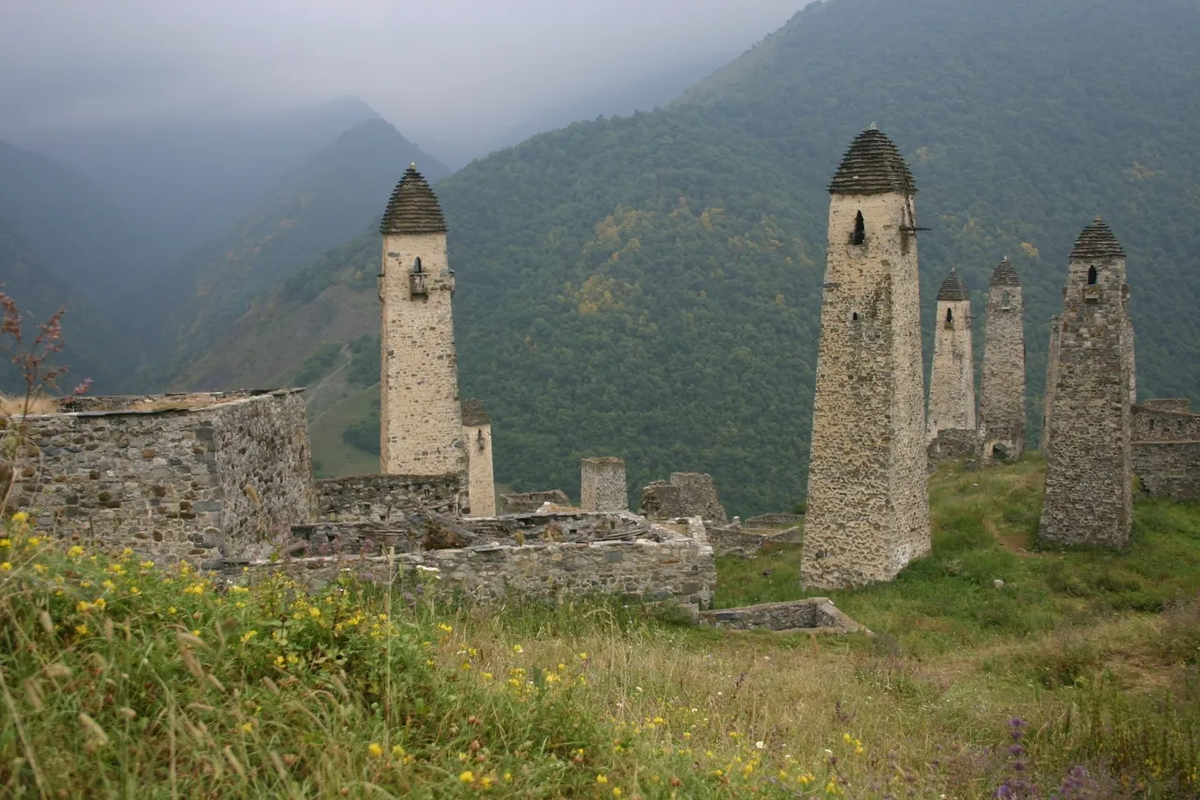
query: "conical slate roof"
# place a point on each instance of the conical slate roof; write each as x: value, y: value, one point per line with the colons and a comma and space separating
x: 1005, y: 275
x: 413, y: 208
x: 474, y: 413
x: 873, y: 165
x: 954, y: 288
x: 1096, y: 242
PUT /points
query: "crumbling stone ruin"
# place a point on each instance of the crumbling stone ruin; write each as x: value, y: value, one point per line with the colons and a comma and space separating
x: 1002, y: 388
x: 1165, y: 448
x: 687, y: 494
x: 420, y: 414
x: 602, y: 485
x: 201, y: 476
x: 525, y: 502
x: 1088, y: 468
x: 868, y: 507
x: 477, y: 441
x: 952, y: 379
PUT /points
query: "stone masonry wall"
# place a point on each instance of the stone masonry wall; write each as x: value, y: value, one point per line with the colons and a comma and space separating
x: 1088, y: 471
x: 524, y: 502
x: 816, y: 614
x: 952, y: 445
x: 477, y: 440
x: 1164, y: 421
x: 660, y: 500
x: 698, y: 496
x: 420, y: 413
x: 195, y: 476
x: 1168, y: 469
x: 602, y: 485
x: 387, y: 498
x: 681, y: 570
x: 952, y: 379
x: 868, y: 507
x: 1002, y: 384
x: 1051, y: 383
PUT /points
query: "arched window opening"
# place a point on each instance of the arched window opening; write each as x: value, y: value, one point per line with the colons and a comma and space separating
x: 417, y: 266
x: 949, y: 316
x: 1091, y: 276
x: 860, y: 230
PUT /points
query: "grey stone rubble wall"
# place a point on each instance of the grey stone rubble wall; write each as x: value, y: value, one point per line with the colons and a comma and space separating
x: 951, y: 445
x: 524, y: 502
x: 816, y: 614
x: 218, y: 478
x: 660, y: 500
x: 773, y: 521
x: 1002, y: 384
x: 748, y: 543
x: 1168, y: 469
x: 1051, y: 383
x: 388, y: 498
x: 1089, y: 477
x: 1180, y: 405
x: 413, y: 534
x: 698, y: 496
x: 682, y: 570
x: 1163, y: 423
x: 602, y: 485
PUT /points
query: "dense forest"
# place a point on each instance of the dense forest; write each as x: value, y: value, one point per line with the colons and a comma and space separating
x: 649, y: 286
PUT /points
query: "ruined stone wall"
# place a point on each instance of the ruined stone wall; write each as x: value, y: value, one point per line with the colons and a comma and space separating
x: 602, y: 485
x: 681, y: 570
x: 1168, y: 469
x: 1088, y: 472
x: 952, y: 379
x: 215, y: 479
x: 387, y: 498
x: 817, y: 614
x: 1167, y: 420
x: 747, y: 542
x: 952, y: 445
x: 524, y: 502
x: 868, y: 508
x: 481, y: 480
x: 1051, y: 383
x: 420, y: 414
x: 1002, y: 384
x: 660, y: 500
x: 698, y: 496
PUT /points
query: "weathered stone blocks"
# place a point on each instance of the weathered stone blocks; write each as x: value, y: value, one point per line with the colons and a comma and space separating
x: 1002, y: 389
x: 602, y: 485
x: 952, y: 378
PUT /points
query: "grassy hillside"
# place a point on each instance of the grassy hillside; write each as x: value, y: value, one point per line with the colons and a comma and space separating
x: 1077, y: 679
x: 649, y: 286
x: 324, y: 202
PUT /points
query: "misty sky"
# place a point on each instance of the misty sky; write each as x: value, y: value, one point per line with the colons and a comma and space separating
x: 439, y: 70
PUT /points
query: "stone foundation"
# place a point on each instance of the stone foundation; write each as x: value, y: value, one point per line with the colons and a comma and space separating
x: 951, y: 445
x: 816, y: 615
x: 197, y: 476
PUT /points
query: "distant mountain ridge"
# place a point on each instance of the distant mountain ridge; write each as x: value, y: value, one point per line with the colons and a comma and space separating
x: 322, y: 203
x: 650, y: 286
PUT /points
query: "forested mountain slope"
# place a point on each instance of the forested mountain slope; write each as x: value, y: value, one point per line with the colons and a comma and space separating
x: 323, y: 203
x: 649, y: 286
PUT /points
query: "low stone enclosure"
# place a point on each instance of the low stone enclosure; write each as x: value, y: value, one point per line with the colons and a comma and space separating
x: 223, y: 480
x: 1165, y: 448
x: 813, y: 615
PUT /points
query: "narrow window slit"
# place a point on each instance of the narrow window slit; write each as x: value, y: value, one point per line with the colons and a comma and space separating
x: 860, y: 230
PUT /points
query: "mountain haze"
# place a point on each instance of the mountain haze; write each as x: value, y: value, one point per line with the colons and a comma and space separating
x: 649, y: 286
x: 328, y: 199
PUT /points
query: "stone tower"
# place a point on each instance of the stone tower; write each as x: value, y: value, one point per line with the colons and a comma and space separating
x: 1088, y: 474
x: 868, y: 510
x: 1002, y: 389
x: 952, y: 379
x: 420, y: 416
x: 477, y: 439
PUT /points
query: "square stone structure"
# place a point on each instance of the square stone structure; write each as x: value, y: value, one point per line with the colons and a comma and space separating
x: 952, y: 378
x: 477, y: 439
x: 1002, y: 392
x: 195, y: 476
x: 1089, y: 479
x: 602, y: 485
x: 1165, y: 448
x: 868, y: 506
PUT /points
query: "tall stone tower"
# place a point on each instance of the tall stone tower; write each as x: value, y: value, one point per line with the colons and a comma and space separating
x: 1002, y: 390
x: 952, y: 379
x: 868, y: 509
x: 1089, y: 481
x: 477, y: 439
x: 420, y: 415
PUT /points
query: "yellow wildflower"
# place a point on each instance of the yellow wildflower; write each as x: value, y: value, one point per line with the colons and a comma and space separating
x: 39, y: 568
x: 617, y: 791
x: 81, y: 629
x: 518, y: 649
x: 20, y: 517
x: 5, y: 567
x: 134, y: 590
x: 375, y: 750
x: 466, y: 777
x: 6, y: 542
x: 108, y: 584
x: 397, y: 751
x: 248, y: 727
x: 601, y: 779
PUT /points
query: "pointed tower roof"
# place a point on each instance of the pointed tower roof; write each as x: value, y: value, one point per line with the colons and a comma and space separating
x: 953, y: 288
x: 873, y: 165
x: 413, y: 207
x: 1096, y: 242
x: 1005, y: 275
